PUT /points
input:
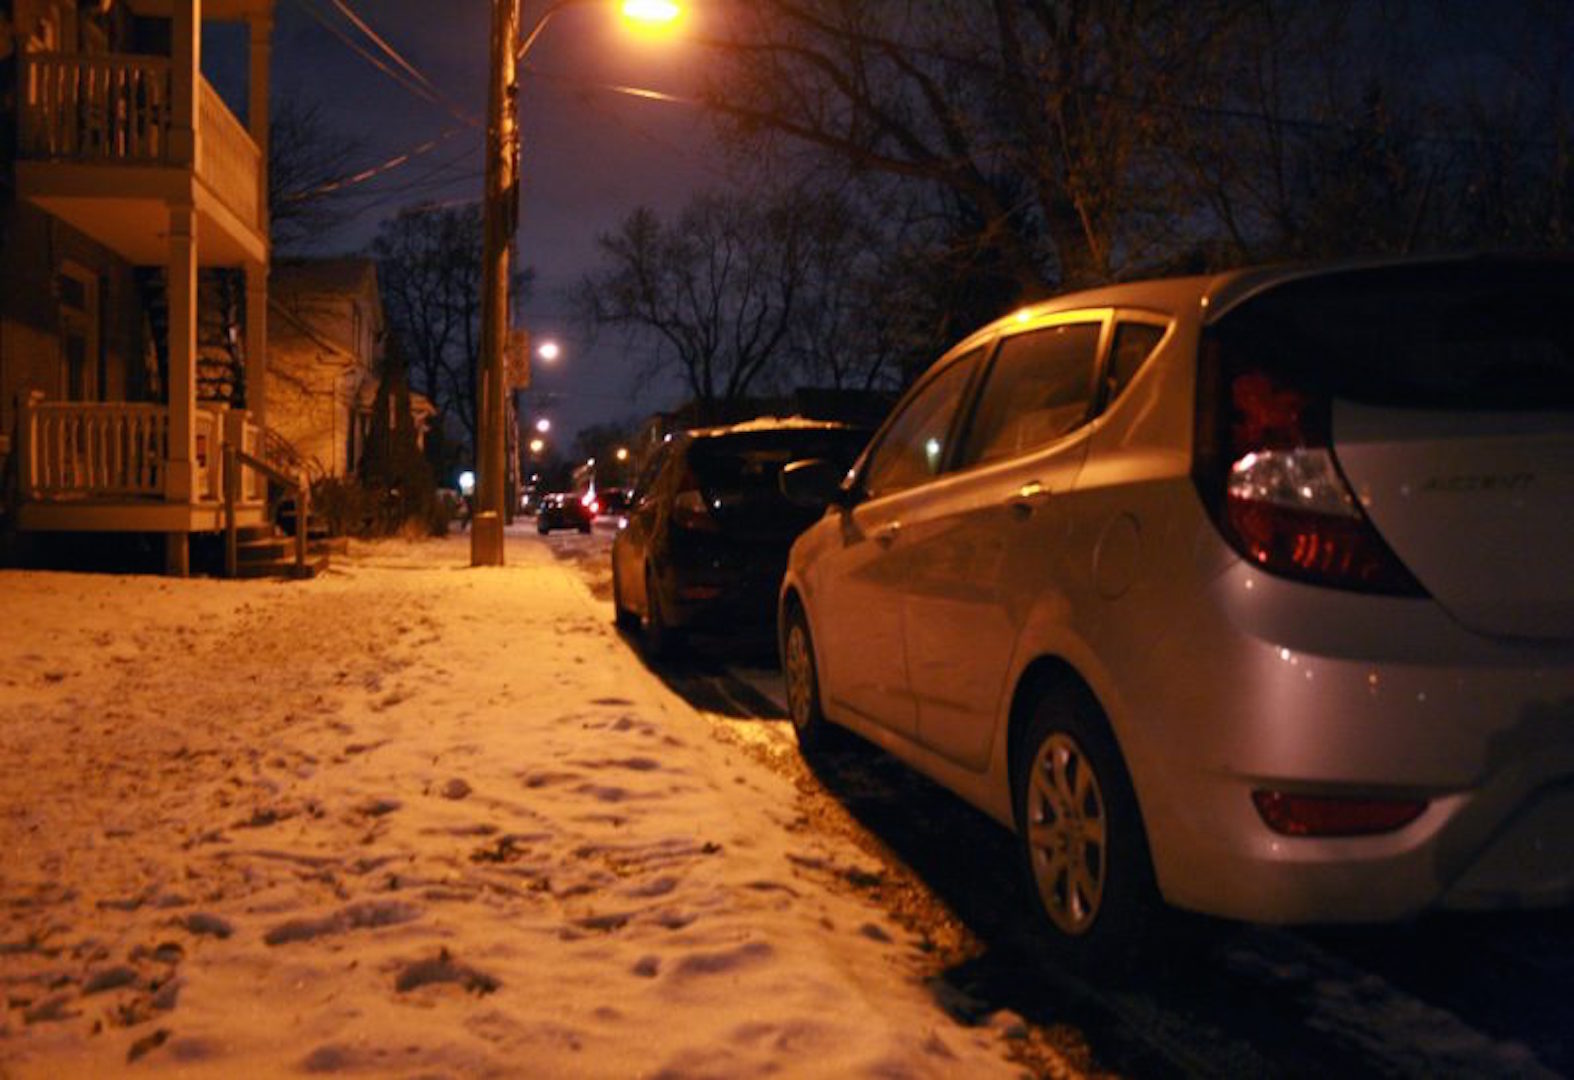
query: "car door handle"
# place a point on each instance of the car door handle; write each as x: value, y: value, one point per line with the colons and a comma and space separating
x: 886, y: 535
x: 1027, y: 499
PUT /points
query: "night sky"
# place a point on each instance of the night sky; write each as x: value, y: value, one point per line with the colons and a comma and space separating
x: 590, y: 155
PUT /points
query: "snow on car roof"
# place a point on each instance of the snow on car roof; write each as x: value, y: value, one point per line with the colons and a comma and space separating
x: 769, y: 423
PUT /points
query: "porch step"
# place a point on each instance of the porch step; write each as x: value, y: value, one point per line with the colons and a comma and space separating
x: 264, y: 551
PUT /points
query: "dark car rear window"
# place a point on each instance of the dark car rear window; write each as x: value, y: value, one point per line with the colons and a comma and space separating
x: 751, y: 461
x: 1473, y: 335
x: 738, y: 473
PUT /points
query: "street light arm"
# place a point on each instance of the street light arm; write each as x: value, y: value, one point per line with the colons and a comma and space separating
x: 541, y: 23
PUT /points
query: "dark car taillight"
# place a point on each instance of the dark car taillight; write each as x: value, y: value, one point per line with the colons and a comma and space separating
x: 689, y: 509
x: 1266, y: 469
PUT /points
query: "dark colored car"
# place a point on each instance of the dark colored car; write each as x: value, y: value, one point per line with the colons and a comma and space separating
x: 614, y: 500
x: 564, y: 510
x: 705, y: 543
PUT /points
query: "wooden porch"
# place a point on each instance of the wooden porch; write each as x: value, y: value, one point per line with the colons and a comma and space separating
x: 139, y: 154
x: 105, y: 467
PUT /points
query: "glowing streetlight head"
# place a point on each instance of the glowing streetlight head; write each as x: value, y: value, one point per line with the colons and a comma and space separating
x: 537, y: 445
x: 652, y: 12
x: 623, y: 453
x: 543, y: 425
x: 549, y: 351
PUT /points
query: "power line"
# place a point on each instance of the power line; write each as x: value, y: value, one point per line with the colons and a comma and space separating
x: 416, y: 81
x: 374, y: 171
x: 404, y: 81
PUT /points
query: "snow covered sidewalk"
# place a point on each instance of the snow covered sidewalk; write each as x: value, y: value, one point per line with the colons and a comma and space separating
x: 412, y: 818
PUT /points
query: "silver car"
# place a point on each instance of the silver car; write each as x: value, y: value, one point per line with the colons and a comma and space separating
x: 1251, y: 593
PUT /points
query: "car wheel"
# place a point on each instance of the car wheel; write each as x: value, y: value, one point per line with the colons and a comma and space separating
x: 622, y: 617
x: 585, y: 528
x: 815, y: 733
x: 1080, y: 835
x: 542, y: 529
x: 662, y: 640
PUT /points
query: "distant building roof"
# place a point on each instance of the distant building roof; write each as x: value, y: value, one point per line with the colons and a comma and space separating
x: 342, y: 276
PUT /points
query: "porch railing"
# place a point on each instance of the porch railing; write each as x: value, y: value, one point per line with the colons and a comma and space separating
x: 78, y: 449
x: 105, y: 107
x: 110, y: 450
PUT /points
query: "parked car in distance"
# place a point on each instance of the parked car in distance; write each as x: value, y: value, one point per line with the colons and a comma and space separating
x: 613, y: 500
x: 705, y: 542
x: 563, y: 510
x: 1247, y: 593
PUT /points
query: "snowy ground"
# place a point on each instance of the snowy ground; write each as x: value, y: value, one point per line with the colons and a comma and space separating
x: 417, y: 819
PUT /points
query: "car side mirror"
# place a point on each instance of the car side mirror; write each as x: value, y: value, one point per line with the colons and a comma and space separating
x: 814, y: 483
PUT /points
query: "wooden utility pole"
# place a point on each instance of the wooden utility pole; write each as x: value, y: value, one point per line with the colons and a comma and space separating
x: 500, y: 216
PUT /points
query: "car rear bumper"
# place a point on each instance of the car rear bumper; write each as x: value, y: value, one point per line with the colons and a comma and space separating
x: 1294, y: 689
x: 708, y: 597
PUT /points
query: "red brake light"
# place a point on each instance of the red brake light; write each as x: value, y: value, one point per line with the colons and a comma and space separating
x: 1318, y: 815
x: 1267, y: 469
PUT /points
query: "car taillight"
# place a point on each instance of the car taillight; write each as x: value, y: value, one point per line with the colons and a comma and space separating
x: 690, y: 512
x: 590, y: 504
x: 1319, y: 815
x: 1267, y: 470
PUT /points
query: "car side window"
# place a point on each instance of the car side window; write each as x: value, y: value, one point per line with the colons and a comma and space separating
x: 1134, y: 343
x: 645, y: 485
x: 913, y: 448
x: 1039, y: 388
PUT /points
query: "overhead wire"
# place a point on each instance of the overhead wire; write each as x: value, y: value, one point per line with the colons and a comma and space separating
x: 365, y: 54
x: 410, y: 78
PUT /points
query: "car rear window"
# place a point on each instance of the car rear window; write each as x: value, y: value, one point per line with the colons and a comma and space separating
x: 750, y: 462
x: 1477, y: 335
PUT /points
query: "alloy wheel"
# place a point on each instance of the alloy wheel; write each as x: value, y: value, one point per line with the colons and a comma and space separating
x: 1067, y: 833
x: 800, y: 676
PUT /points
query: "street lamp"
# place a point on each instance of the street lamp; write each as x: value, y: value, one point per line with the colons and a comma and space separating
x: 500, y: 208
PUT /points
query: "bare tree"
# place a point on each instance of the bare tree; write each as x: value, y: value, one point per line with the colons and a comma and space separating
x: 429, y: 266
x: 307, y: 163
x: 1059, y: 144
x: 1028, y: 118
x: 714, y: 292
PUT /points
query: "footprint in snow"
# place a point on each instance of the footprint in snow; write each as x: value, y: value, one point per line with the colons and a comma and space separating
x: 443, y: 968
x: 547, y: 778
x: 364, y: 915
x: 632, y: 764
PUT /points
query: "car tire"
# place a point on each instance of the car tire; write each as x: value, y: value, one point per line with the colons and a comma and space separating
x: 815, y: 733
x: 622, y: 617
x: 542, y: 529
x: 1080, y: 836
x: 662, y: 640
x: 585, y: 528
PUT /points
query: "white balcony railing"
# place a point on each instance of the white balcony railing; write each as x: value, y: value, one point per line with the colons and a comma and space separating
x: 95, y: 108
x: 227, y: 160
x: 117, y: 108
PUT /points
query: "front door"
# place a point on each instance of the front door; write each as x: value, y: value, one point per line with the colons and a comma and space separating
x: 860, y: 583
x: 992, y: 537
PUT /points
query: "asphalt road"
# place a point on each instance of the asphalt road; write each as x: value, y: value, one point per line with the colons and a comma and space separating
x: 1447, y: 995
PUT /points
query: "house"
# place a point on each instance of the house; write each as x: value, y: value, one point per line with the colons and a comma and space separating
x: 325, y: 340
x: 133, y: 271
